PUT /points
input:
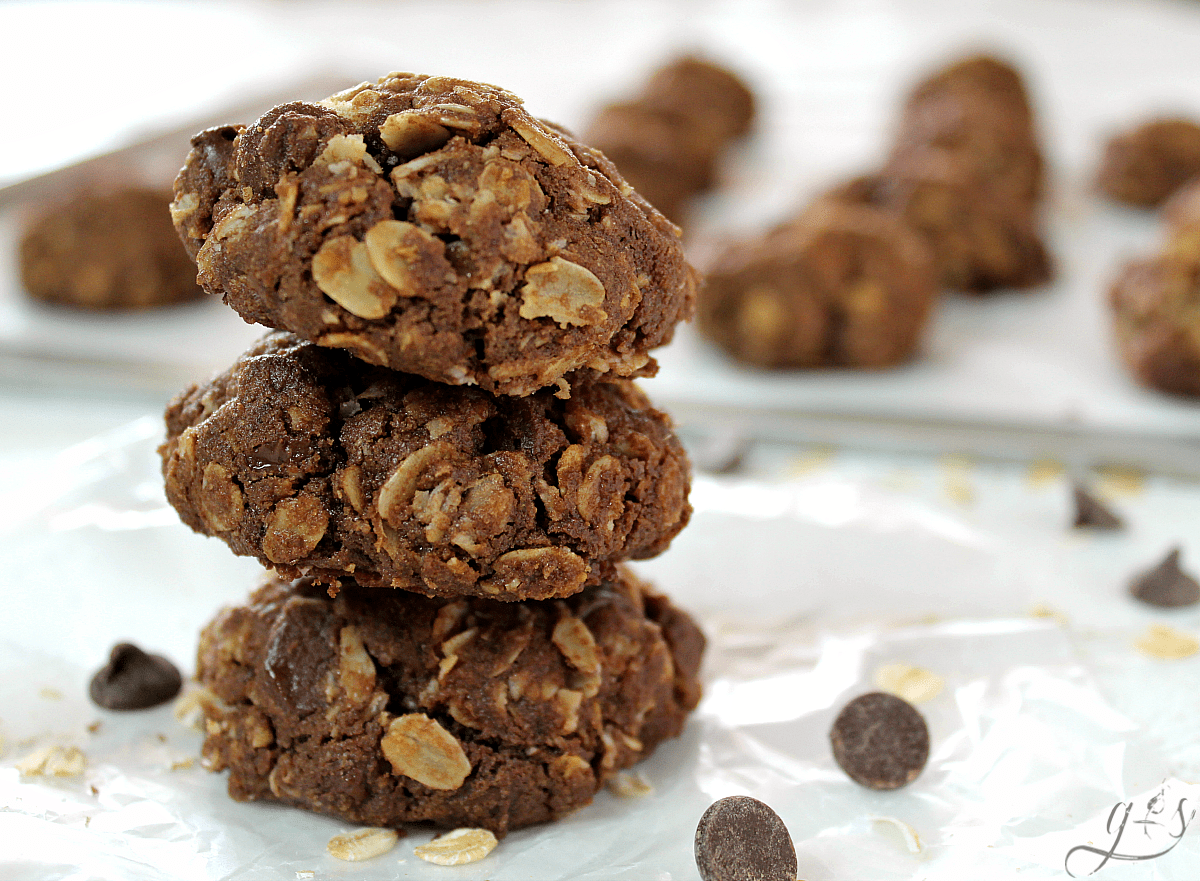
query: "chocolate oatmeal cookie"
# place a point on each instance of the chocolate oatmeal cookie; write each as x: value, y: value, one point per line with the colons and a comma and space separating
x: 840, y: 286
x: 1156, y: 319
x: 396, y: 708
x: 667, y: 155
x: 317, y: 463
x: 979, y: 110
x: 1146, y: 164
x: 704, y: 90
x: 433, y: 226
x: 669, y: 139
x: 108, y: 252
x: 981, y: 238
x: 966, y: 170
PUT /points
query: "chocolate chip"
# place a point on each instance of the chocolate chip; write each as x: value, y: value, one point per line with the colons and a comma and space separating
x: 741, y: 839
x: 1091, y: 514
x: 1166, y: 585
x: 880, y: 741
x: 134, y: 680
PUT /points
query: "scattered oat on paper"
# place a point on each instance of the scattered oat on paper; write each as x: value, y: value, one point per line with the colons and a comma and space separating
x: 629, y: 784
x: 189, y: 707
x: 914, y: 684
x: 53, y: 761
x: 51, y: 694
x: 1044, y: 472
x: 304, y: 874
x: 362, y: 844
x: 458, y: 847
x: 811, y: 461
x: 957, y: 479
x: 1161, y: 641
x: 1119, y: 481
x: 912, y: 840
x: 183, y: 764
x: 1041, y: 610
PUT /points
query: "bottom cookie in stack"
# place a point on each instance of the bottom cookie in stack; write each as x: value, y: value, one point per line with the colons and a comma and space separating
x: 389, y: 707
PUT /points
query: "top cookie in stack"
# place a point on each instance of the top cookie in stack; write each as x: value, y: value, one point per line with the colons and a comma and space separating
x: 431, y: 225
x: 408, y: 239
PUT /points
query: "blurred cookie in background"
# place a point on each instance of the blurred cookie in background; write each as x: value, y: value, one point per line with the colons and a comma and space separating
x: 966, y: 169
x: 108, y: 251
x: 1144, y: 165
x: 669, y: 139
x: 1156, y: 319
x: 839, y: 285
x: 981, y: 237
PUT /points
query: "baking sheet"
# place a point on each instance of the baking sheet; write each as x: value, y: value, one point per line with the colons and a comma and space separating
x: 805, y: 586
x: 829, y: 76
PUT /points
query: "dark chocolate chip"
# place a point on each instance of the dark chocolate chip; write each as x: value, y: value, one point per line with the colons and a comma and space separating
x: 741, y: 839
x: 134, y: 680
x: 880, y: 741
x: 1091, y: 514
x: 1166, y: 585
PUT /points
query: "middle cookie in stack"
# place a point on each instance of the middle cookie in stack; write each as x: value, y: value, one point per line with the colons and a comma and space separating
x: 431, y: 226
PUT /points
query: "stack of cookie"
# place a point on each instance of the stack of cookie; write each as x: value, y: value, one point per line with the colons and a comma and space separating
x: 441, y: 454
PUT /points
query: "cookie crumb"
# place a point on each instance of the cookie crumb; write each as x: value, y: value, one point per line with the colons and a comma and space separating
x: 362, y: 844
x: 189, y: 708
x: 811, y: 461
x: 1041, y: 610
x: 458, y: 847
x: 1044, y: 472
x: 629, y: 784
x: 958, y: 486
x: 1167, y: 643
x: 1116, y: 480
x: 183, y: 764
x: 94, y: 727
x: 912, y: 840
x: 53, y: 761
x: 913, y: 684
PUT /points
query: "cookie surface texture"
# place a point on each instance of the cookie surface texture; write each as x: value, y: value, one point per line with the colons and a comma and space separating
x: 108, y: 251
x: 432, y: 225
x: 317, y: 463
x: 384, y: 709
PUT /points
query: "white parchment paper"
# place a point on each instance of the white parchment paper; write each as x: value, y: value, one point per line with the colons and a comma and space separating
x: 806, y: 588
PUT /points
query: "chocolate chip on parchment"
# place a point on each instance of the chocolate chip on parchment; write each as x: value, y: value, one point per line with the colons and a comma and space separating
x: 134, y: 680
x: 881, y: 741
x: 741, y: 839
x: 1166, y: 585
x: 1090, y: 513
